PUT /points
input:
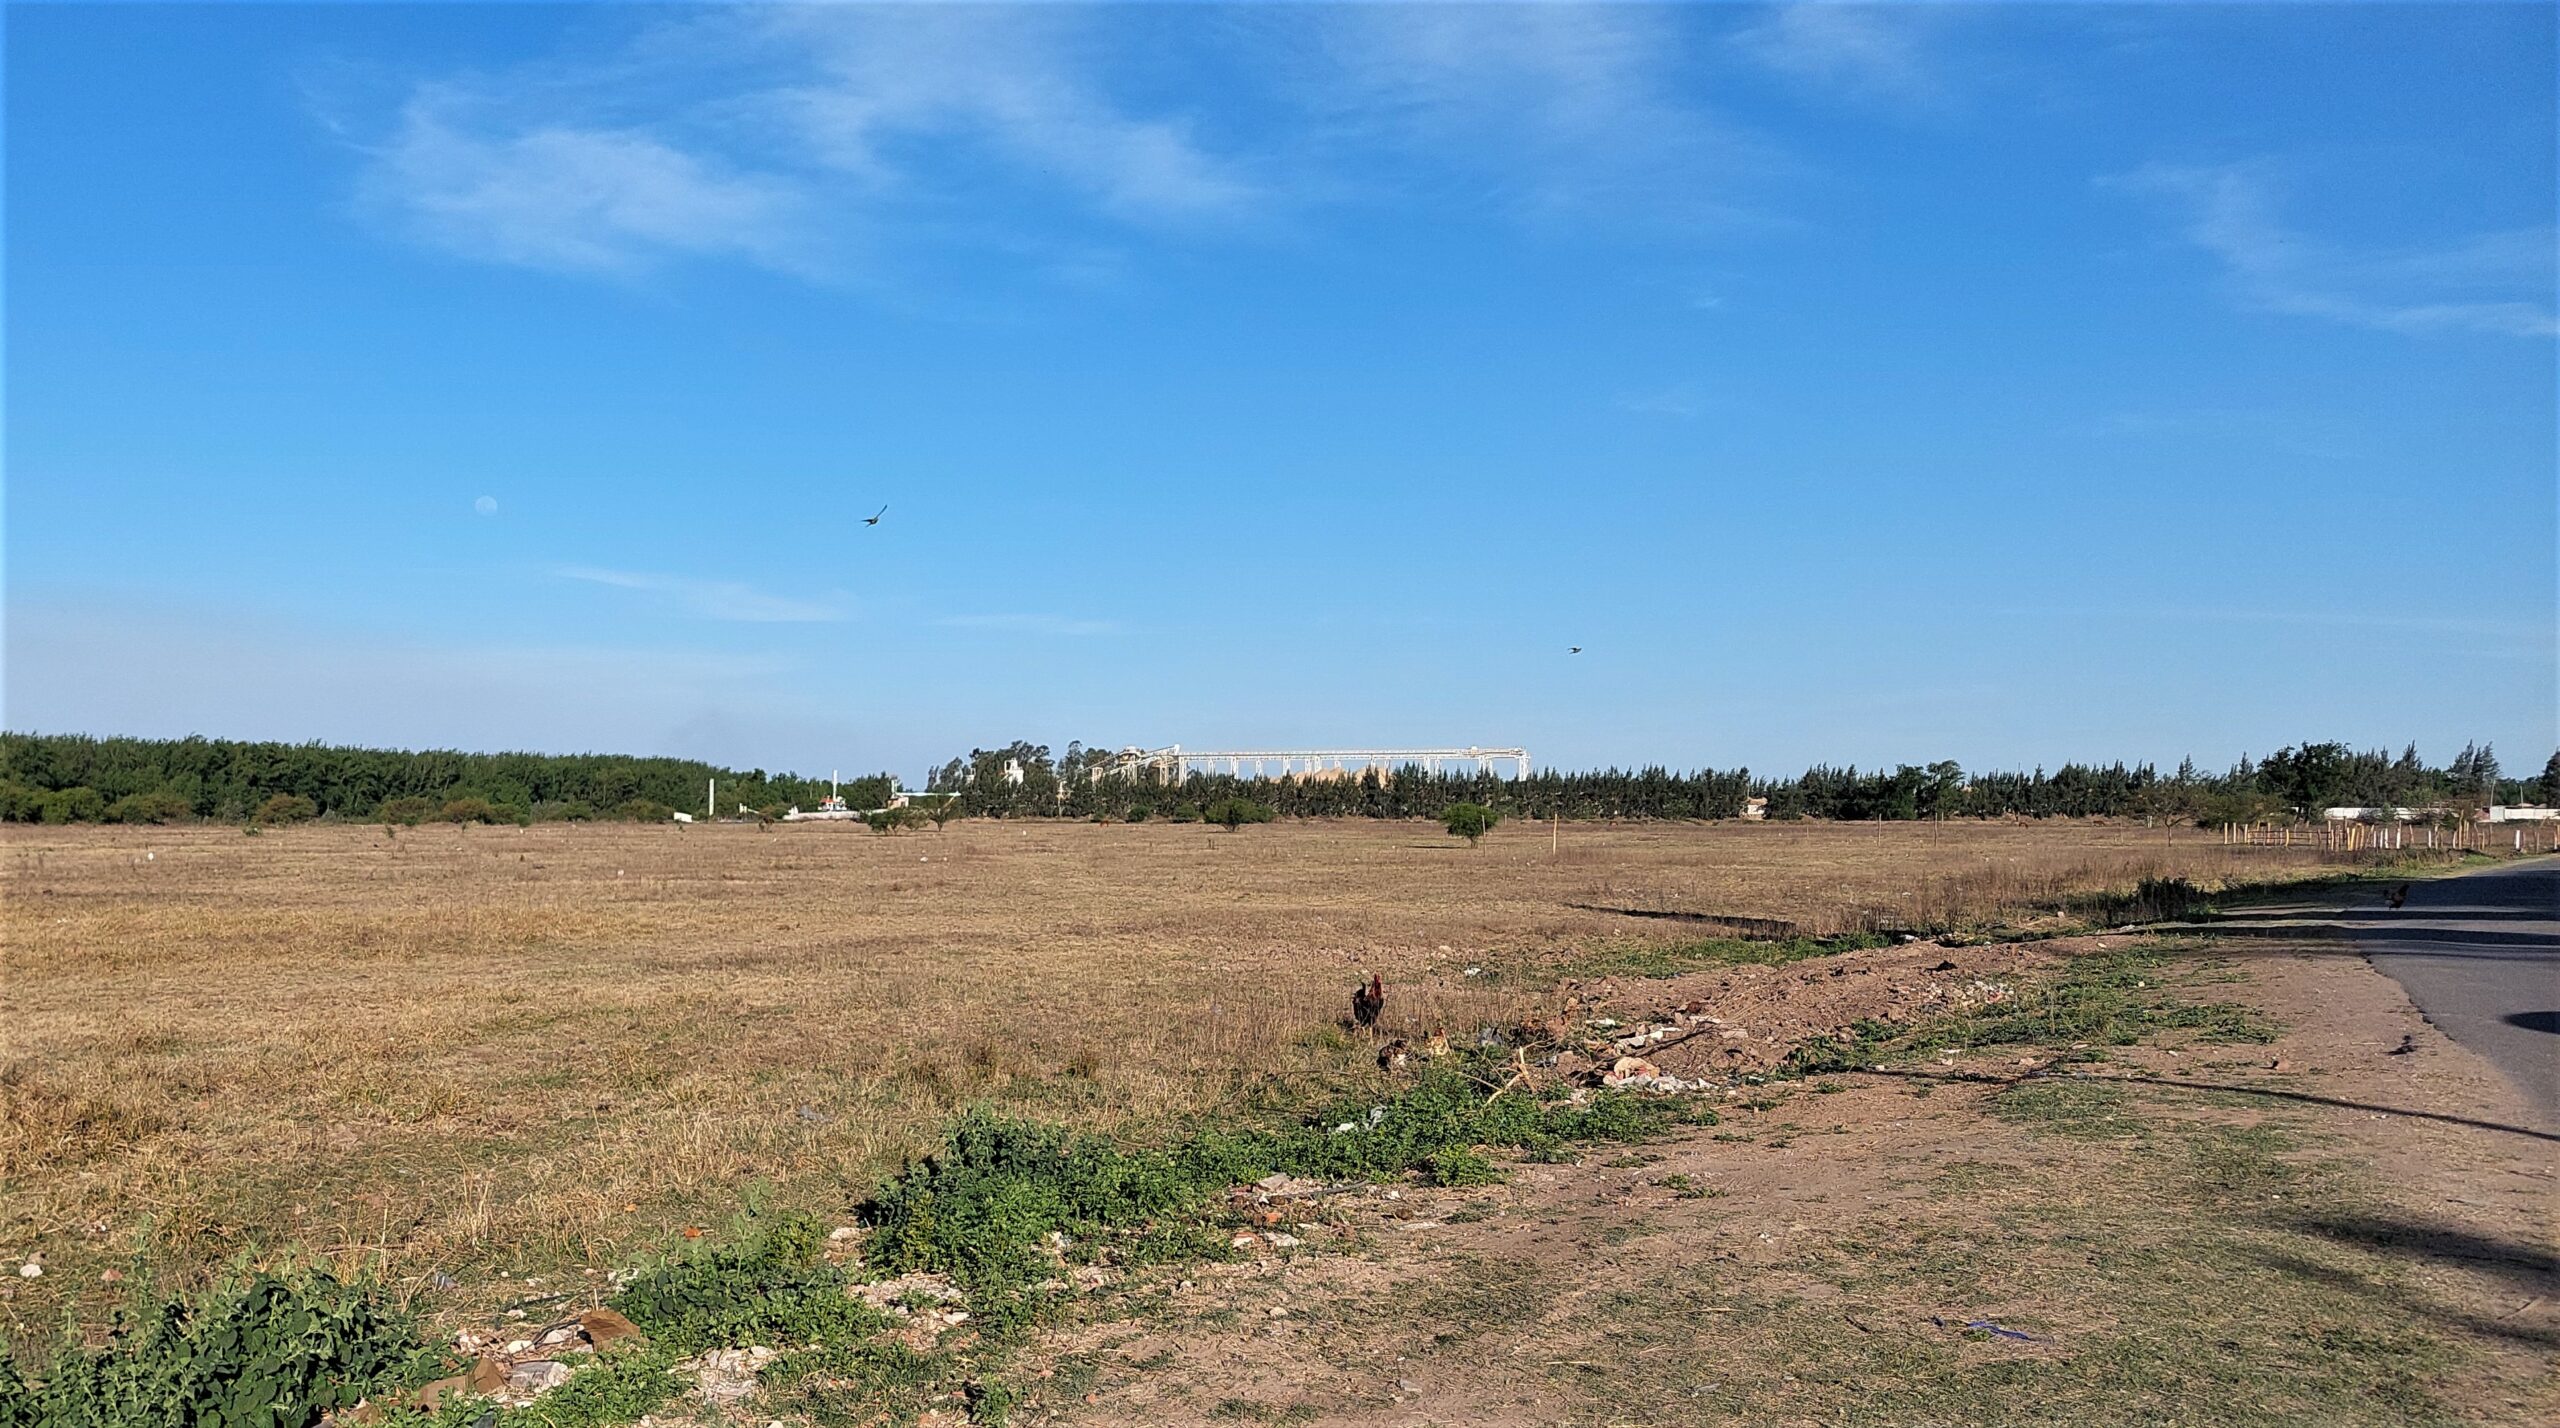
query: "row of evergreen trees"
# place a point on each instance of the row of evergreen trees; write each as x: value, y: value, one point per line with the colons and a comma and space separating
x: 63, y: 778
x: 69, y: 778
x: 1022, y: 779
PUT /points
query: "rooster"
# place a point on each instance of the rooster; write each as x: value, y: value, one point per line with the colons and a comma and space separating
x: 1366, y: 1002
x: 2397, y: 895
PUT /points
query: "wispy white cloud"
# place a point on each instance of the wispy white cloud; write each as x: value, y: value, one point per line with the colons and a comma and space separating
x: 714, y: 599
x: 1020, y: 83
x: 1572, y: 110
x: 824, y: 141
x: 1031, y: 624
x: 1881, y: 51
x: 2498, y: 283
x: 461, y: 175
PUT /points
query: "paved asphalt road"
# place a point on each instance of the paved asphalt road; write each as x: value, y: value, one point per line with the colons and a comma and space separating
x: 2480, y: 955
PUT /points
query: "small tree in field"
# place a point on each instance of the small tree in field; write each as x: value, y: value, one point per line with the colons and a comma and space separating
x: 1234, y: 813
x: 287, y: 808
x: 1470, y: 821
x: 940, y: 807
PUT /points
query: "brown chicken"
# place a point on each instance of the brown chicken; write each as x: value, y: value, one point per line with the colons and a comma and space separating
x: 1368, y: 1001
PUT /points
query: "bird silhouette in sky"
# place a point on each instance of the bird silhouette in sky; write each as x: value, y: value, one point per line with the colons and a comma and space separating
x: 1576, y: 649
x: 873, y: 520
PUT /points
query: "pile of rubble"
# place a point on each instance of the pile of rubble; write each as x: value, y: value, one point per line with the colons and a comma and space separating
x: 1717, y: 1029
x: 514, y: 1371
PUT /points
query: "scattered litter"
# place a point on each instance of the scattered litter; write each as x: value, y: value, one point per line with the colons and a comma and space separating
x: 31, y: 1270
x: 1475, y: 971
x: 441, y: 1280
x: 2408, y: 1043
x: 1987, y: 1327
x: 1377, y: 1117
x: 536, y: 1376
x: 727, y: 1375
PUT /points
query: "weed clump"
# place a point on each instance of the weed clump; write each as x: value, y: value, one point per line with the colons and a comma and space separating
x: 772, y: 1286
x: 985, y: 1209
x: 2105, y: 999
x: 274, y: 1351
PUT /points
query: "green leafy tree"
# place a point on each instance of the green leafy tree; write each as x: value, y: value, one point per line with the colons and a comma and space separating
x: 287, y: 808
x: 157, y: 807
x: 1235, y: 811
x: 1470, y: 821
x: 2546, y: 789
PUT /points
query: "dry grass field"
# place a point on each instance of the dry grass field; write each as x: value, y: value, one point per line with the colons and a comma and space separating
x: 528, y: 1052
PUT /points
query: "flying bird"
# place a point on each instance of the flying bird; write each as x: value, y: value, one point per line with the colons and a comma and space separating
x: 1577, y: 649
x: 874, y: 520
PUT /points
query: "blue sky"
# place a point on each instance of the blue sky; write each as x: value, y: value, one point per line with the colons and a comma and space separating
x: 2008, y: 384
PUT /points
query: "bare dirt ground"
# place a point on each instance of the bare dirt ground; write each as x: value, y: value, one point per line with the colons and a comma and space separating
x: 508, y: 1055
x: 2324, y: 1229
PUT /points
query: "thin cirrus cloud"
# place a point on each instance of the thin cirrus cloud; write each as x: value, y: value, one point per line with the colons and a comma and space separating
x: 1030, y: 624
x: 1883, y: 52
x: 713, y: 599
x: 2496, y: 283
x: 811, y: 140
x: 555, y: 195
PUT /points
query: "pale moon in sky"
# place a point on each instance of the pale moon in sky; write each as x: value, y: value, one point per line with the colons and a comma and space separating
x: 486, y: 505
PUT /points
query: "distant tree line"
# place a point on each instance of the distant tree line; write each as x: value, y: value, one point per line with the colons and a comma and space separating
x: 1023, y: 779
x: 70, y: 778
x: 73, y: 778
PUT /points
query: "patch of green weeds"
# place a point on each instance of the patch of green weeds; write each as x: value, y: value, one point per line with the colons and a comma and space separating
x: 984, y: 1208
x: 1684, y: 1188
x: 768, y: 1285
x: 2104, y: 999
x: 2088, y: 1109
x: 279, y: 1349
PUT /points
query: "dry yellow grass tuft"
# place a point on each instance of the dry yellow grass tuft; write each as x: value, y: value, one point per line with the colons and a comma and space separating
x: 535, y: 1051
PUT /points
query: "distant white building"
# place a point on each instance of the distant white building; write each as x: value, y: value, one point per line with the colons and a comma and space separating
x: 2522, y: 813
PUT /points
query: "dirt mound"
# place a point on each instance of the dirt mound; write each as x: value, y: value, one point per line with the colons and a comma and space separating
x: 1735, y: 1021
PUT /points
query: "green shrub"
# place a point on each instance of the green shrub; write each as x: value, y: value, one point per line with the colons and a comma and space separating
x: 469, y: 810
x: 287, y: 808
x: 71, y: 805
x: 275, y: 1352
x: 644, y: 810
x: 771, y: 1286
x: 409, y: 810
x: 20, y: 803
x: 157, y: 807
x: 1470, y: 821
x: 1233, y: 813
